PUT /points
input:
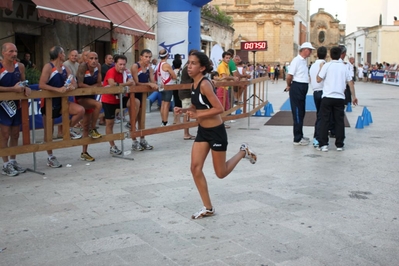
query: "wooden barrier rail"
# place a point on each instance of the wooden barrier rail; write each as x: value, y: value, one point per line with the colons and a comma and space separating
x: 257, y: 100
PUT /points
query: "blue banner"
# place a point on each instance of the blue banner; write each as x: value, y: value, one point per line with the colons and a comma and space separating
x: 377, y: 74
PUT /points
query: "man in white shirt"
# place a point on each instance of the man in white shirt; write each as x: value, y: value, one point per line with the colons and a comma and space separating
x: 165, y: 76
x: 352, y: 71
x: 317, y: 90
x: 154, y: 63
x: 297, y: 85
x: 335, y: 75
x: 349, y: 67
x: 72, y: 62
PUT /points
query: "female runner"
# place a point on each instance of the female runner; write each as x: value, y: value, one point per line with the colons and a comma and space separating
x: 211, y: 135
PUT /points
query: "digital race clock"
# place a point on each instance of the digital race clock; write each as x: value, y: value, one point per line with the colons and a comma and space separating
x: 254, y: 46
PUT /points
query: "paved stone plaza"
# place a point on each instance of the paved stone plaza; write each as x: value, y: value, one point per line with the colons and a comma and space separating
x: 295, y: 207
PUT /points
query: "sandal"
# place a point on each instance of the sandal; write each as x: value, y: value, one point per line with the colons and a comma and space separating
x: 189, y: 138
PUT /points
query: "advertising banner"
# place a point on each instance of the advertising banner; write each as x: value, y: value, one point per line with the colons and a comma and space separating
x: 377, y: 74
x: 391, y: 77
x: 179, y: 26
x: 173, y: 33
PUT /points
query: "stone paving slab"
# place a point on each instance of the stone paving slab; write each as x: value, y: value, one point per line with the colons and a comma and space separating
x: 296, y: 206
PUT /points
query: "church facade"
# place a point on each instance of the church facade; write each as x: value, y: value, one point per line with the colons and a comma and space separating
x: 271, y: 21
x: 326, y: 31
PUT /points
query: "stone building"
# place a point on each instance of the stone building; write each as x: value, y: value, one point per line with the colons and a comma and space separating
x: 212, y: 32
x: 326, y: 31
x: 37, y: 25
x: 374, y: 44
x: 271, y: 21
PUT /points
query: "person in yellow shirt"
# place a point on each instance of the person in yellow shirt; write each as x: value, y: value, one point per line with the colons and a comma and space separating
x: 224, y: 74
x: 272, y: 74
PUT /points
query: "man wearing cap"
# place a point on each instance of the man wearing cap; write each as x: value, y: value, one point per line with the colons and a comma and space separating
x: 297, y: 86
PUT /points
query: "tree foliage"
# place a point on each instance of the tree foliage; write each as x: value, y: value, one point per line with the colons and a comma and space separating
x: 215, y: 13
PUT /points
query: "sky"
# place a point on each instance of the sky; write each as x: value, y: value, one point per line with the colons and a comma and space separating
x: 330, y: 6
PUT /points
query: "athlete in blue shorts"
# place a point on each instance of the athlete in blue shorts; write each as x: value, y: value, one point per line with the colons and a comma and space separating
x: 11, y: 75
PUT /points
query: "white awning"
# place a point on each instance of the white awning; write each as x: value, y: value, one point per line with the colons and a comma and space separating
x: 206, y: 38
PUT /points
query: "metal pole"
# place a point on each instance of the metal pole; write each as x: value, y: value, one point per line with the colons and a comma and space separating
x: 121, y: 128
x: 251, y: 88
x: 32, y: 102
x: 254, y: 64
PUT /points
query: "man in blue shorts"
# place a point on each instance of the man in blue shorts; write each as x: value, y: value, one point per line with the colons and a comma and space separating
x: 143, y: 74
x: 53, y: 78
x: 11, y: 75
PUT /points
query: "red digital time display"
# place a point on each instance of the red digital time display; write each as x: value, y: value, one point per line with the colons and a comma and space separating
x: 254, y: 46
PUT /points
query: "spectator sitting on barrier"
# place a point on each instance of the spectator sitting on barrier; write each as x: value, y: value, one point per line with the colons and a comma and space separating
x: 89, y: 76
x: 73, y: 65
x: 11, y: 74
x: 143, y: 74
x: 211, y: 134
x: 53, y: 78
x: 111, y: 102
